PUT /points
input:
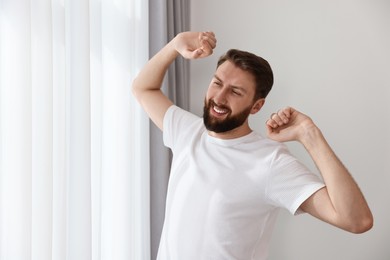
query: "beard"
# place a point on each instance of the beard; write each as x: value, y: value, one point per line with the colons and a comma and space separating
x: 223, y: 125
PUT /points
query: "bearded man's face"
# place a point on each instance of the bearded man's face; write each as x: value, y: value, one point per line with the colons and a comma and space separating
x: 215, y: 122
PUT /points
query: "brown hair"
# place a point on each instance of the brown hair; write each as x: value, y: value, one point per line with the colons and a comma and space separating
x: 255, y: 65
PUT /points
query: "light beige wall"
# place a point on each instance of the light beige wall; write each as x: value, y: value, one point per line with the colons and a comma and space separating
x: 331, y: 60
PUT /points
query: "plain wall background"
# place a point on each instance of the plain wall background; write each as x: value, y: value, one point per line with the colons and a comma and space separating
x: 331, y: 60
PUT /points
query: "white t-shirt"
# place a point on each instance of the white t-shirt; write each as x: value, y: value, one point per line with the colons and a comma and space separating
x: 224, y: 195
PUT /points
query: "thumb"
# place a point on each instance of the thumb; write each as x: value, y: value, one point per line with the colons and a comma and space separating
x: 197, y: 53
x: 192, y: 54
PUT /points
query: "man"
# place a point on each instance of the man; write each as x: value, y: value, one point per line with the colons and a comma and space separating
x: 227, y: 183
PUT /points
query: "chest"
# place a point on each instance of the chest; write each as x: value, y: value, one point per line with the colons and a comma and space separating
x: 223, y: 179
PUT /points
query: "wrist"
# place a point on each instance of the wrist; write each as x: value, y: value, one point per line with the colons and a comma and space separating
x: 311, y: 135
x: 171, y: 48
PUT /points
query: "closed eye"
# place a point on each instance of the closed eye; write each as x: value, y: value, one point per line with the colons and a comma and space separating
x: 237, y: 91
x: 217, y: 83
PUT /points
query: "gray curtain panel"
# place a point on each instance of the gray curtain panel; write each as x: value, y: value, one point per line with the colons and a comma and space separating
x: 166, y: 19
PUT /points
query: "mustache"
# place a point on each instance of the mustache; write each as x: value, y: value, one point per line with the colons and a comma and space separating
x: 212, y: 103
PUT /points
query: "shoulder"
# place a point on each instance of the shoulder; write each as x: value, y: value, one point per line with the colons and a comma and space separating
x: 179, y: 125
x: 267, y: 147
x: 178, y: 117
x: 179, y: 113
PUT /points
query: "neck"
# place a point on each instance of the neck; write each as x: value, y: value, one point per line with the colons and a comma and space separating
x: 234, y: 133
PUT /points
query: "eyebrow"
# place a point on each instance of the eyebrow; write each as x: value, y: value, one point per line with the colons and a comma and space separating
x: 232, y: 86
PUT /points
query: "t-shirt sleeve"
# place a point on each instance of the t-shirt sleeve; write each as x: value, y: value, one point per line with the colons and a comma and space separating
x: 290, y: 183
x: 177, y: 125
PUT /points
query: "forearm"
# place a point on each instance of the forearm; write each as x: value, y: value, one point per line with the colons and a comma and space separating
x: 190, y: 45
x: 152, y: 75
x: 147, y: 86
x: 348, y: 201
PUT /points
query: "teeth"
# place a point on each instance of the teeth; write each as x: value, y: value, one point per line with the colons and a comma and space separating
x: 219, y: 110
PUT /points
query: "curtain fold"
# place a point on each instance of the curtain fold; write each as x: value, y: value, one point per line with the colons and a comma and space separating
x: 74, y: 144
x: 167, y: 18
x: 78, y: 111
x: 178, y: 20
x: 42, y: 131
x: 15, y: 115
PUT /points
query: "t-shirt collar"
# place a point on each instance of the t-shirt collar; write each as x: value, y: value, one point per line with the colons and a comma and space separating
x: 231, y: 142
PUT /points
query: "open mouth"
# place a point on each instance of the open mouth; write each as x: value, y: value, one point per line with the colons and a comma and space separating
x: 219, y: 110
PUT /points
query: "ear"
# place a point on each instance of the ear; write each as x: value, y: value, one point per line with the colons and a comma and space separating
x: 257, y: 105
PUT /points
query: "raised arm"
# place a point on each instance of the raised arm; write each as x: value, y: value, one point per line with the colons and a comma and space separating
x: 340, y: 203
x: 147, y: 85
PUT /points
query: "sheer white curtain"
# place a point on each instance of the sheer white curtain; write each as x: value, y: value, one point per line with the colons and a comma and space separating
x: 74, y: 167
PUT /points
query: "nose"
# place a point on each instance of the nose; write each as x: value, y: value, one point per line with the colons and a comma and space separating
x: 220, y: 96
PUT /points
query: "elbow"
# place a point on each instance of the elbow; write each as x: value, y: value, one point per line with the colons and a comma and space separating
x: 135, y: 90
x: 363, y: 225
